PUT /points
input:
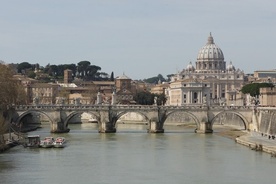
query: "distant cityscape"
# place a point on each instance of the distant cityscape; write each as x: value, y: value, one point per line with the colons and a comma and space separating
x: 209, y: 81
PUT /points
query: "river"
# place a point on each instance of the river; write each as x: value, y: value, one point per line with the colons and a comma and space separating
x: 133, y: 156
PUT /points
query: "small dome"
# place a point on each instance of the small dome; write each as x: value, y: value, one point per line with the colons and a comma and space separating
x: 230, y: 67
x: 190, y: 67
x: 210, y: 51
x: 123, y: 77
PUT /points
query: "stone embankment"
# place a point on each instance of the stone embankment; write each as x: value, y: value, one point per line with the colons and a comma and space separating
x: 257, y: 142
x: 8, y: 141
x: 254, y: 140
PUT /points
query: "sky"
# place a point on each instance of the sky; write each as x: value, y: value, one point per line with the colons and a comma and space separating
x: 138, y: 38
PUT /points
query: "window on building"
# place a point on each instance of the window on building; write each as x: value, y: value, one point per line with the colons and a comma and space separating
x: 195, y: 95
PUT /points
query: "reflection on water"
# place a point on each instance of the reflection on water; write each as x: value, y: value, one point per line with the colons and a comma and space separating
x: 133, y: 156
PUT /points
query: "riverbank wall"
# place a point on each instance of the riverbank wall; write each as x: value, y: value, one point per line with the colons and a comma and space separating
x: 258, y: 143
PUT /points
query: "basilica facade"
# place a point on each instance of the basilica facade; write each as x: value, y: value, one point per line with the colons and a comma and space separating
x: 215, y: 81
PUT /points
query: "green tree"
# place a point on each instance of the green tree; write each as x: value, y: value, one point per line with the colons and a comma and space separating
x: 87, y: 71
x: 53, y: 70
x: 31, y: 74
x: 254, y: 88
x: 112, y: 76
x: 155, y: 80
x: 161, y: 99
x: 72, y: 67
x: 23, y: 66
x: 144, y: 98
x: 169, y: 76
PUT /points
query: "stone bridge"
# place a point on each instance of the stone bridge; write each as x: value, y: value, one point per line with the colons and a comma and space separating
x: 107, y: 115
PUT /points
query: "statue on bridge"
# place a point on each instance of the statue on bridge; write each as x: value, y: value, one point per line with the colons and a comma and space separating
x: 155, y: 100
x: 35, y: 100
x: 60, y: 100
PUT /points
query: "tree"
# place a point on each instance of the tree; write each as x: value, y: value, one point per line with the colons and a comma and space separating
x: 82, y: 65
x: 12, y: 92
x: 53, y: 69
x: 144, y: 98
x: 254, y: 88
x: 112, y: 76
x: 161, y: 99
x: 31, y: 75
x: 72, y: 67
x: 87, y: 71
x: 155, y: 80
x: 83, y: 68
x: 169, y: 76
x: 64, y: 93
x: 91, y: 94
x: 23, y: 66
x: 10, y: 88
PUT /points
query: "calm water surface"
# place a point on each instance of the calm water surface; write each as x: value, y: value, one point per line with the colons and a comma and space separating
x: 133, y: 156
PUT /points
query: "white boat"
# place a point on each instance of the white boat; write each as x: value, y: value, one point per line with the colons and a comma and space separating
x: 59, y: 142
x: 47, y: 142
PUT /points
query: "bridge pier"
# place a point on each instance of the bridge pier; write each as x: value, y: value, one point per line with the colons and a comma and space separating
x: 155, y: 127
x: 58, y: 124
x: 106, y: 127
x: 204, y: 128
x: 59, y: 127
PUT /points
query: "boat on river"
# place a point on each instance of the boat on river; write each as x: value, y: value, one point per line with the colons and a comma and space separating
x: 47, y: 142
x: 33, y: 141
x: 59, y: 142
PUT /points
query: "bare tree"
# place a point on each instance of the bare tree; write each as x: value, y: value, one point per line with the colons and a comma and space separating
x: 11, y: 93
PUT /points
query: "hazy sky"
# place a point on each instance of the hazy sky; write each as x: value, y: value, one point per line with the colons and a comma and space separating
x: 141, y: 38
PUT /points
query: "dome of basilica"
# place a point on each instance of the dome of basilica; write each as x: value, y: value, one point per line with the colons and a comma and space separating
x: 190, y: 67
x: 210, y: 51
x: 230, y: 67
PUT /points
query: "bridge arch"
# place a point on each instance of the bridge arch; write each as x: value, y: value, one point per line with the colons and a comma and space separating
x: 244, y: 120
x: 190, y: 114
x: 33, y: 111
x: 72, y: 114
x: 120, y: 114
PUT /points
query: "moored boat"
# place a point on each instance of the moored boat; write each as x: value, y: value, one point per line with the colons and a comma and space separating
x: 59, y: 142
x: 47, y: 142
x: 33, y: 141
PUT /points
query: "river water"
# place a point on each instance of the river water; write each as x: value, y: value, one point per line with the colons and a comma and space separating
x: 133, y: 156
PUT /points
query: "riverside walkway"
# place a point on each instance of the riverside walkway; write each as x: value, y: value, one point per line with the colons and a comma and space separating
x: 256, y: 141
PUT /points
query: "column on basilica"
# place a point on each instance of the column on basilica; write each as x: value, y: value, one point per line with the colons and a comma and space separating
x: 191, y: 97
x: 218, y: 91
x: 200, y: 97
x: 213, y: 91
